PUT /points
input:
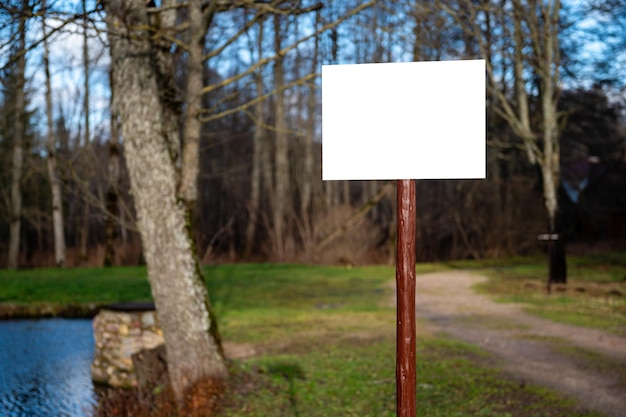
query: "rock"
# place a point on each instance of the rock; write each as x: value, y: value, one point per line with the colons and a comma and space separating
x: 151, y: 340
x: 123, y: 330
x: 118, y: 336
x: 147, y: 319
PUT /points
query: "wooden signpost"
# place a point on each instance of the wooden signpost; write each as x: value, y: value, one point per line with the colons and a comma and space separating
x: 418, y: 120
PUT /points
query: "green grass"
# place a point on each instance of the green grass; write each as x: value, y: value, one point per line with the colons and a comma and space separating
x: 324, y: 339
x: 595, y: 295
x: 74, y: 286
x: 358, y: 379
x: 232, y: 287
x: 277, y: 287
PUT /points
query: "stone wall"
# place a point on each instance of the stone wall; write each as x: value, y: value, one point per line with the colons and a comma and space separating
x: 119, y: 335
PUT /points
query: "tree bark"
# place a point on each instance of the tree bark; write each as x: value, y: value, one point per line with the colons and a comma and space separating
x: 55, y: 182
x: 189, y: 327
x: 15, y: 218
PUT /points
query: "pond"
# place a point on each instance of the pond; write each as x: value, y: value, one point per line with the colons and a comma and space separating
x: 45, y: 368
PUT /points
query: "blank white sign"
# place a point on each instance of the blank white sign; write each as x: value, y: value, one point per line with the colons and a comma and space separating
x: 414, y: 120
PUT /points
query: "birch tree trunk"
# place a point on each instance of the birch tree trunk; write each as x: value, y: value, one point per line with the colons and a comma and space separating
x: 15, y: 218
x: 190, y: 331
x: 55, y: 183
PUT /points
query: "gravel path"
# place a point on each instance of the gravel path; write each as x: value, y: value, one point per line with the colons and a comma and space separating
x: 585, y: 364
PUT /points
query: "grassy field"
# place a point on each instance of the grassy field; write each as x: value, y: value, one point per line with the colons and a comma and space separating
x: 324, y: 339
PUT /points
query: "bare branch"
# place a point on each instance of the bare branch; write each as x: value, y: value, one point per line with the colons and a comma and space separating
x: 294, y: 45
x: 260, y: 98
x: 232, y: 39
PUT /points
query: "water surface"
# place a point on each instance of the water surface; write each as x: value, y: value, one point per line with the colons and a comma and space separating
x: 45, y: 368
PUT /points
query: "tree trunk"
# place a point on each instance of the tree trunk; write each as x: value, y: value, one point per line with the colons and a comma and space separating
x: 329, y: 191
x: 520, y: 81
x: 84, y: 229
x: 557, y: 271
x: 55, y: 183
x: 551, y: 152
x: 373, y: 188
x: 165, y: 70
x: 189, y: 327
x: 188, y: 188
x: 112, y: 194
x: 86, y: 75
x: 257, y: 150
x: 281, y: 161
x: 307, y: 180
x: 15, y: 217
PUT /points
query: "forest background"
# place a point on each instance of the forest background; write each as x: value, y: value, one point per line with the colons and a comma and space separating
x: 260, y: 194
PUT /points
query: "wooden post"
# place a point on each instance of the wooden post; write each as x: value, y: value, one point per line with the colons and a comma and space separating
x: 405, y: 285
x: 416, y: 100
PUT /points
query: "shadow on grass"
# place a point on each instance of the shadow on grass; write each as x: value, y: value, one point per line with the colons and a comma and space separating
x: 291, y: 372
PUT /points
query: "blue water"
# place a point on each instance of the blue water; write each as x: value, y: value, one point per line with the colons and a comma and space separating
x: 45, y: 368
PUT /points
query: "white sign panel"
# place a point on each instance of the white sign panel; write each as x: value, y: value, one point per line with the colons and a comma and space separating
x: 415, y: 120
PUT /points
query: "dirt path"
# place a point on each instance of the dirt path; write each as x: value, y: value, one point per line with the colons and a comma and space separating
x: 585, y: 364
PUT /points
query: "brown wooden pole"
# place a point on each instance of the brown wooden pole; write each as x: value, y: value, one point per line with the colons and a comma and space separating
x: 405, y: 285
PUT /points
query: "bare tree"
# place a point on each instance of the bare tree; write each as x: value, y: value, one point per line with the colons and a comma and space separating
x: 18, y: 139
x: 55, y: 182
x: 84, y: 228
x: 257, y: 152
x: 280, y: 195
x: 536, y: 28
x: 199, y: 21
